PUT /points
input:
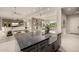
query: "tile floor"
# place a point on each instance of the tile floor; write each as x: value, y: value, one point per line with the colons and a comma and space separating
x: 69, y: 43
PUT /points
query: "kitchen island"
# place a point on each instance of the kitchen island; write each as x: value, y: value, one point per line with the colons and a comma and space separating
x: 27, y: 40
x: 34, y: 43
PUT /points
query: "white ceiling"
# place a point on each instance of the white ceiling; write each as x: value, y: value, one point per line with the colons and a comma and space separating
x: 70, y: 10
x: 28, y: 12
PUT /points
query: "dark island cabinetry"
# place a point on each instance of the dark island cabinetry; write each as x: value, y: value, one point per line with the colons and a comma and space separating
x: 38, y: 47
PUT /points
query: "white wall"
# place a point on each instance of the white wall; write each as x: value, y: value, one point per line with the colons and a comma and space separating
x: 59, y: 20
x: 64, y: 23
x: 0, y: 23
x: 64, y: 18
x: 73, y: 24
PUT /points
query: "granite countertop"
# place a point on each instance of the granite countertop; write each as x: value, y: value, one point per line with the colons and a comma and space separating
x: 26, y: 39
x: 53, y: 38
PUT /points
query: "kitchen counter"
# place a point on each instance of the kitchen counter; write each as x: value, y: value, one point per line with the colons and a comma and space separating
x: 26, y: 39
x: 53, y: 38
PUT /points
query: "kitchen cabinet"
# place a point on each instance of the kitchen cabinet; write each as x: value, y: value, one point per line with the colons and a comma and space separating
x: 56, y: 45
x: 38, y: 47
x: 31, y: 49
x: 42, y: 46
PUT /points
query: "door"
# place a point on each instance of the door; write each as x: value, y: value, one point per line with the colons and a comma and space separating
x: 73, y: 24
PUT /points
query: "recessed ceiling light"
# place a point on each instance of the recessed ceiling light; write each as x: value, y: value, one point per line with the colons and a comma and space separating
x: 77, y: 12
x: 69, y: 9
x: 48, y: 9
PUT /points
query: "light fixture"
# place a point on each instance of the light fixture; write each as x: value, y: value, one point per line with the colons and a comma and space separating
x: 48, y: 9
x: 14, y: 10
x: 40, y: 12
